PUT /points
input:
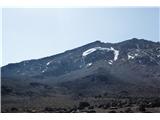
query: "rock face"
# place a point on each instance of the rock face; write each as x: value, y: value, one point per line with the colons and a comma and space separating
x: 131, y: 67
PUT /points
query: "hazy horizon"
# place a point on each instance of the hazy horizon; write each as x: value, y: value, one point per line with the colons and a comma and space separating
x: 37, y: 33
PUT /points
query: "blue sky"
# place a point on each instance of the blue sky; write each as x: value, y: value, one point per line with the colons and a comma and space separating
x: 35, y: 33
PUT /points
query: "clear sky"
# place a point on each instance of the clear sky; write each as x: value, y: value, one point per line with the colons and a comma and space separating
x: 35, y: 33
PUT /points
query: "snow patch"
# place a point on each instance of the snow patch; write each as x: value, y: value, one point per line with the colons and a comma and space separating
x: 110, y: 62
x: 49, y: 62
x: 89, y: 51
x: 44, y: 70
x: 132, y: 56
x: 116, y: 53
x: 89, y: 64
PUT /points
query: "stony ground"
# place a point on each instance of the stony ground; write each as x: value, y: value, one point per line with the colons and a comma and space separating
x: 67, y: 104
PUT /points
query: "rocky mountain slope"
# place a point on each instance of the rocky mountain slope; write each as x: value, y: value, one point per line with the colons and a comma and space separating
x: 128, y: 68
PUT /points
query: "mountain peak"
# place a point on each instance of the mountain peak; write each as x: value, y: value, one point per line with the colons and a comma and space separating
x: 139, y: 41
x: 136, y: 43
x: 97, y: 42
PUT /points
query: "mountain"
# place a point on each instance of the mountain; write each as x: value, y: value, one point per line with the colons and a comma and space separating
x: 130, y: 68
